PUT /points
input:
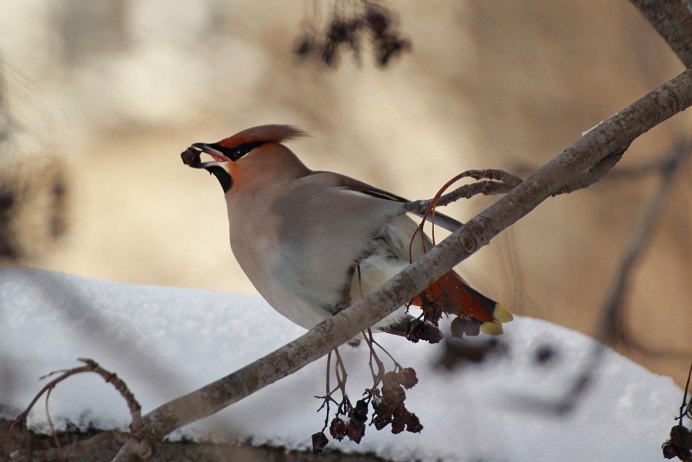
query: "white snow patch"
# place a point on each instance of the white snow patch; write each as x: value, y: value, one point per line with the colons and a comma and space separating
x: 165, y: 342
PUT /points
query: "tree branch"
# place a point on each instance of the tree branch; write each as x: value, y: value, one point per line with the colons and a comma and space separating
x: 672, y: 19
x: 490, y: 182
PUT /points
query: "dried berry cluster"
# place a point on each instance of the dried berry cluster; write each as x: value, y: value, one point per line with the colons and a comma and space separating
x: 347, y: 29
x: 353, y: 427
x: 422, y: 330
x: 433, y: 307
x: 388, y: 404
x: 679, y: 445
x: 349, y: 422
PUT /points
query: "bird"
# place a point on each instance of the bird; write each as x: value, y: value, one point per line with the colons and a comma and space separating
x: 314, y: 242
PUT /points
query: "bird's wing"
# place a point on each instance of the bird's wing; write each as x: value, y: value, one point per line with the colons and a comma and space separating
x: 364, y: 210
x: 445, y: 221
x: 324, y: 228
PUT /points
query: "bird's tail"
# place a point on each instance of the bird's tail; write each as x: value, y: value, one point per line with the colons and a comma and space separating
x: 453, y: 296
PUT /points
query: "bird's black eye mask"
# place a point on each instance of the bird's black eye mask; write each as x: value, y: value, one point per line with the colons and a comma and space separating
x: 236, y: 152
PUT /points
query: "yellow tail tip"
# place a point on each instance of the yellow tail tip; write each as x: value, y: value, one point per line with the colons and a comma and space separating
x: 502, y: 314
x: 492, y: 328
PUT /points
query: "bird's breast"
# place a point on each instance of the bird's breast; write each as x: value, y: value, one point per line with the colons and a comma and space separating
x: 299, y: 247
x: 270, y: 264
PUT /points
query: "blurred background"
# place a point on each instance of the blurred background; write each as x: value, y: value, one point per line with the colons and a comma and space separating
x: 98, y: 99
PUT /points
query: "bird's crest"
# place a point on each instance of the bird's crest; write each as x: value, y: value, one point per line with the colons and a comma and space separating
x: 262, y: 134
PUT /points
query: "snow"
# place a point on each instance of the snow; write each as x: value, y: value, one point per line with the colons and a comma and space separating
x: 168, y: 341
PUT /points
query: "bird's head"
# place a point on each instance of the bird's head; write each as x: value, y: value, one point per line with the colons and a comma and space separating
x: 234, y: 148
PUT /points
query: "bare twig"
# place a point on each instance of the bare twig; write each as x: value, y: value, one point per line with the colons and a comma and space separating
x: 109, y: 377
x: 426, y: 208
x: 376, y: 376
x: 327, y: 398
x: 374, y: 342
x: 340, y: 371
x: 53, y: 433
x: 490, y: 182
x: 672, y: 19
x: 686, y: 406
x: 680, y: 443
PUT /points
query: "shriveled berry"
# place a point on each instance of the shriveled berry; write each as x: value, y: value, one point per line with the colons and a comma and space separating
x: 382, y: 420
x: 465, y: 326
x: 393, y: 396
x: 398, y: 425
x: 190, y: 156
x: 337, y: 429
x: 413, y: 425
x: 407, y: 377
x: 378, y: 20
x: 319, y: 442
x: 380, y: 407
x: 360, y: 412
x: 355, y: 430
x: 390, y: 378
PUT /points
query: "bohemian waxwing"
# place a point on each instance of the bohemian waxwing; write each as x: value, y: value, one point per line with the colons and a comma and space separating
x: 312, y: 243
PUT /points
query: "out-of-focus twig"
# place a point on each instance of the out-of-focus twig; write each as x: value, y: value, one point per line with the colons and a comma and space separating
x: 672, y: 19
x: 612, y: 327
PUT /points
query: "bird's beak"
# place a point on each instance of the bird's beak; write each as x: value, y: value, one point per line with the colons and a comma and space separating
x: 217, y: 167
x: 191, y: 156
